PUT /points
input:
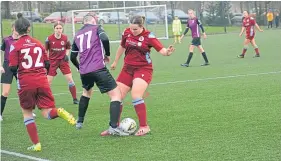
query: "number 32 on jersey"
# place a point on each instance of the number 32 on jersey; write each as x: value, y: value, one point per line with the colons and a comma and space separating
x: 28, y: 57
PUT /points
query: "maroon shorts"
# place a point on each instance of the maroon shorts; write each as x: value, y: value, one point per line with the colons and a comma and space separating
x: 41, y: 97
x: 129, y: 73
x: 55, y: 64
x: 250, y: 37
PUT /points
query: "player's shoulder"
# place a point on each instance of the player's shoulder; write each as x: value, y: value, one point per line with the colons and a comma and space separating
x: 50, y: 37
x: 127, y: 31
x: 149, y: 34
x: 63, y: 36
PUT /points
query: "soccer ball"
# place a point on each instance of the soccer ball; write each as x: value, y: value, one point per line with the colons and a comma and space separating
x: 128, y: 125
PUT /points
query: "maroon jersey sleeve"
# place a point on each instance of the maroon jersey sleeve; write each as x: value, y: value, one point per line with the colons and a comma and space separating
x: 13, y: 56
x: 124, y: 36
x: 154, y: 42
x: 68, y: 44
x: 47, y: 43
x: 252, y: 21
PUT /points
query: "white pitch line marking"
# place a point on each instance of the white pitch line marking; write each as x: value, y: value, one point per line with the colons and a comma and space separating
x: 23, y: 155
x: 190, y: 80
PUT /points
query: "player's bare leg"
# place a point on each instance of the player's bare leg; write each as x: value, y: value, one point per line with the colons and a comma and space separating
x: 6, y: 89
x: 52, y: 113
x: 255, y: 46
x: 191, y: 49
x: 179, y: 38
x: 175, y: 39
x: 138, y: 90
x: 83, y: 106
x: 50, y: 79
x: 201, y: 50
x: 124, y: 89
x: 31, y: 129
x: 246, y: 43
x: 72, y: 87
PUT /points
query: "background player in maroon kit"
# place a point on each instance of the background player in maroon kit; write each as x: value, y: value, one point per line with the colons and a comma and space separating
x: 137, y: 71
x: 58, y: 47
x: 249, y: 23
x: 193, y: 24
x: 29, y: 59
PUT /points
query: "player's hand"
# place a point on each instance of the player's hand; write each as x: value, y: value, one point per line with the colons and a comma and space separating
x: 2, y: 70
x: 204, y: 36
x: 261, y: 30
x: 66, y: 58
x: 113, y: 65
x: 240, y: 34
x: 107, y: 59
x: 170, y: 50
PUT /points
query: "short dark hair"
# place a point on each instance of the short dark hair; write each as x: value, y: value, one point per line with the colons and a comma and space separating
x: 22, y: 24
x: 138, y: 20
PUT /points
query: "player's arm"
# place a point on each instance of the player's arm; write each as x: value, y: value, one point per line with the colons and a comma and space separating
x: 121, y: 49
x: 201, y: 26
x: 157, y: 45
x: 258, y: 27
x: 74, y: 54
x: 105, y: 40
x: 242, y: 30
x: 47, y: 46
x: 186, y: 31
x: 68, y: 47
x: 3, y: 47
x: 13, y: 60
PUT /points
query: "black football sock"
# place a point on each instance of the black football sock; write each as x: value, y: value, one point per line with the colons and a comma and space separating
x: 83, y: 106
x: 3, y: 103
x: 189, y: 57
x: 205, y: 57
x: 114, y: 113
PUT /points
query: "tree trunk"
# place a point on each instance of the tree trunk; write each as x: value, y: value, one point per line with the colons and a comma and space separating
x: 241, y: 6
x: 89, y: 3
x: 6, y: 5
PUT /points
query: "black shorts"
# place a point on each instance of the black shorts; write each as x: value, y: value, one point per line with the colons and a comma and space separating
x: 196, y: 41
x: 7, y: 77
x: 102, y: 78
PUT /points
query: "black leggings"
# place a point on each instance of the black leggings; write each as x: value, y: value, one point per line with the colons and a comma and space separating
x: 270, y: 24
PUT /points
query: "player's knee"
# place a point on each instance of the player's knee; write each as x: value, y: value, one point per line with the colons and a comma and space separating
x: 87, y: 93
x: 246, y: 46
x: 136, y: 95
x: 115, y: 94
x: 71, y: 84
x: 255, y: 46
x: 5, y: 93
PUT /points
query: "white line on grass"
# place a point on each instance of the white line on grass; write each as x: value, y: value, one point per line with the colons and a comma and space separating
x: 23, y: 156
x: 191, y: 80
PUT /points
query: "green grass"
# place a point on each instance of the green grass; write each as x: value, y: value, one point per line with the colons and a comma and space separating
x: 236, y: 118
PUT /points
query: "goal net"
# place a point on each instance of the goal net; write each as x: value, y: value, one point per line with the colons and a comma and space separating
x: 116, y: 20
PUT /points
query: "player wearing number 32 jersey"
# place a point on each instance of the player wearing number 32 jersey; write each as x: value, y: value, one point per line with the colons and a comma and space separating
x: 29, y: 58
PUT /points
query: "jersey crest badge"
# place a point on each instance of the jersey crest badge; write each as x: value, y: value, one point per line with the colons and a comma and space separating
x: 141, y: 38
x: 62, y: 42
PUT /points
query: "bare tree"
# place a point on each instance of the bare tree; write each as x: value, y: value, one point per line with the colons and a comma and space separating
x: 6, y: 5
x: 241, y: 6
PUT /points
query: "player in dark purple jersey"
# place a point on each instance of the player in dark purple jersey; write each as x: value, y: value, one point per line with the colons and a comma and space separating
x: 6, y: 74
x: 90, y: 42
x: 193, y: 24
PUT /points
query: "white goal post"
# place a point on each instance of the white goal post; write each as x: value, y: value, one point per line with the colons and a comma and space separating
x: 115, y: 20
